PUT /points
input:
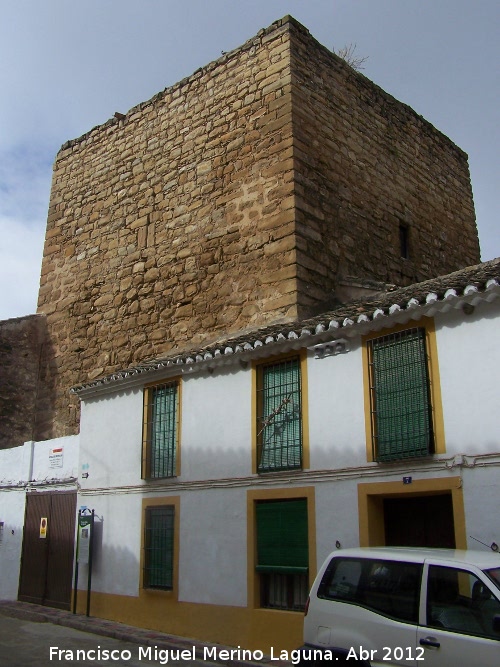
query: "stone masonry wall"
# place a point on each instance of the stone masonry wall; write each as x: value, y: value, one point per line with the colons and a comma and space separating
x: 236, y: 198
x: 21, y: 348
x: 174, y: 223
x: 367, y: 164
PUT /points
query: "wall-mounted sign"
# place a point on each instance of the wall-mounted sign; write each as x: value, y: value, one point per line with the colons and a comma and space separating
x: 43, y: 527
x: 56, y: 458
x: 85, y: 524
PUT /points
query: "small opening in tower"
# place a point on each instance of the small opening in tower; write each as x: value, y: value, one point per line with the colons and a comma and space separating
x: 404, y: 246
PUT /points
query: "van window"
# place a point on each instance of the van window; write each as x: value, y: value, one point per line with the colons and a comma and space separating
x: 341, y: 581
x: 387, y: 587
x: 459, y: 602
x: 494, y: 575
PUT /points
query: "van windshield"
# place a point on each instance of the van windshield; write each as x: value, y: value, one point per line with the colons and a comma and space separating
x: 494, y: 575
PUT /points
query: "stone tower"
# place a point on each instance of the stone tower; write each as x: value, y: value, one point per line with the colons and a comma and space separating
x: 248, y: 193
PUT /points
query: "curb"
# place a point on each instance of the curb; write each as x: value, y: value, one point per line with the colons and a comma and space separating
x: 34, y: 613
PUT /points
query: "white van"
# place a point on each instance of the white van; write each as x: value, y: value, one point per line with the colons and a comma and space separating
x: 400, y: 606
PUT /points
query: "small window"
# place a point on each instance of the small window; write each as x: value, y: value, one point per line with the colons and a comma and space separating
x: 390, y: 588
x: 494, y: 574
x: 284, y: 591
x: 161, y: 409
x: 400, y: 397
x: 283, y: 553
x: 341, y: 580
x: 404, y: 241
x: 159, y: 547
x: 279, y: 416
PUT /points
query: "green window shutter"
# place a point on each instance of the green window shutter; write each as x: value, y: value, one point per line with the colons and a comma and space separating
x: 163, y: 430
x: 159, y: 547
x: 400, y: 396
x: 280, y: 419
x: 282, y: 536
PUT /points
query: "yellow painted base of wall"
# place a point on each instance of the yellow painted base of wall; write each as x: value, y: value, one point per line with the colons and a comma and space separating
x: 254, y: 629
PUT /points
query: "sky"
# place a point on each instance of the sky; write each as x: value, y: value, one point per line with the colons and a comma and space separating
x: 67, y: 66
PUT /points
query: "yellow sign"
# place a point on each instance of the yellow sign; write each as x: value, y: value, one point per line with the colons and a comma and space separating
x: 43, y: 526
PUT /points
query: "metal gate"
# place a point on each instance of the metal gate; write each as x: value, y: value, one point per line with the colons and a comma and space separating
x: 48, y: 547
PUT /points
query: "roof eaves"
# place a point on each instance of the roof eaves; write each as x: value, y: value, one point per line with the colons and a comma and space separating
x: 471, y: 285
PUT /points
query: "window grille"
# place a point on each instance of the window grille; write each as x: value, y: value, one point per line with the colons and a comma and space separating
x: 161, y: 430
x: 283, y: 553
x: 279, y: 420
x: 284, y: 591
x: 159, y: 547
x: 400, y: 396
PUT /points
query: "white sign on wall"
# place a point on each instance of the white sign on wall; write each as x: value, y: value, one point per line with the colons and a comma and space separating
x: 56, y: 458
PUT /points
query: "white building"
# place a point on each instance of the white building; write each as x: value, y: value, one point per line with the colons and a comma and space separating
x: 222, y: 477
x: 225, y: 475
x: 38, y: 490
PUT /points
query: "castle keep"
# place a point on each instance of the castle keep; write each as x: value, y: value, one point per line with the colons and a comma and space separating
x: 255, y: 191
x: 255, y: 290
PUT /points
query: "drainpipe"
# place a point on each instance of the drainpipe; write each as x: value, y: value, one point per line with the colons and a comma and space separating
x: 31, y: 464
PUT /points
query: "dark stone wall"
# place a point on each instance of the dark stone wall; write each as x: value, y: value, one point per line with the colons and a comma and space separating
x: 23, y: 343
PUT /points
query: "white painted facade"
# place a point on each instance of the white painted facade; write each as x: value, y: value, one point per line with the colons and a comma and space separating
x: 11, y: 537
x: 218, y: 485
x: 34, y: 467
x: 216, y: 457
x: 469, y: 359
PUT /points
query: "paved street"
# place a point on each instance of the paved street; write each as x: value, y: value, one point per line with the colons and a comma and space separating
x: 28, y: 644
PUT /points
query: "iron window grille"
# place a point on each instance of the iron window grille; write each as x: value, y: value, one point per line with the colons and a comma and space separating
x: 159, y: 547
x: 283, y: 553
x: 401, y: 409
x: 161, y: 431
x: 284, y: 591
x: 279, y: 416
